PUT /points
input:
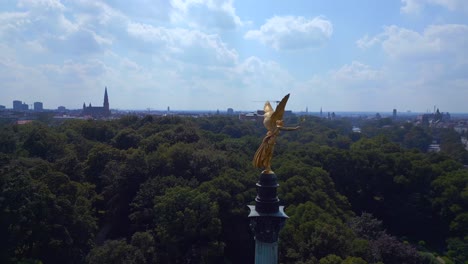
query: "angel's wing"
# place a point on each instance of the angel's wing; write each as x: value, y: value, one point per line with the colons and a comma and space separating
x: 279, y: 111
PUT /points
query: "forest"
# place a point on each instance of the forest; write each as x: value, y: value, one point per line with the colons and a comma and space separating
x: 175, y: 190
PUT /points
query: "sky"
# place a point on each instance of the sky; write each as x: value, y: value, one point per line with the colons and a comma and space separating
x: 361, y: 55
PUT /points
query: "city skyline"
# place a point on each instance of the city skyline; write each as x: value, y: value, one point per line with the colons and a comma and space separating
x: 205, y: 55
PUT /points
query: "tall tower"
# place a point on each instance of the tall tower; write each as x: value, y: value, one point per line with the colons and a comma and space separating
x: 106, y: 100
x: 106, y: 108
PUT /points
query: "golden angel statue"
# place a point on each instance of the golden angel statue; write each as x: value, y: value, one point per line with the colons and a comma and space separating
x: 273, y: 122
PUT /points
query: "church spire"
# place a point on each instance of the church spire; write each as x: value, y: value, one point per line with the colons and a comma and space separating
x: 106, y: 100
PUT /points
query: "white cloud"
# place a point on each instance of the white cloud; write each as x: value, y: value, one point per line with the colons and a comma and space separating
x: 403, y: 43
x: 346, y: 88
x: 263, y: 78
x: 442, y: 42
x: 410, y: 6
x: 67, y: 51
x: 44, y: 27
x: 367, y: 42
x: 190, y: 46
x: 356, y: 72
x: 48, y: 5
x: 144, y: 10
x: 430, y: 65
x: 11, y: 22
x: 74, y: 48
x: 293, y: 33
x: 415, y: 6
x: 74, y: 72
x: 206, y: 14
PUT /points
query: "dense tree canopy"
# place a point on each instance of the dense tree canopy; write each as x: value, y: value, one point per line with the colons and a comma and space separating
x: 175, y: 190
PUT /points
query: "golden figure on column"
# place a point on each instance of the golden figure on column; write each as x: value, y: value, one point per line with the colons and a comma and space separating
x: 273, y: 122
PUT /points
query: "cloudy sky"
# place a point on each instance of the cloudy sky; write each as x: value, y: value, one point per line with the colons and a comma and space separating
x: 361, y: 55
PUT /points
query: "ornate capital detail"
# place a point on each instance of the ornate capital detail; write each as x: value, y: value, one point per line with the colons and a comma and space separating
x: 266, y: 228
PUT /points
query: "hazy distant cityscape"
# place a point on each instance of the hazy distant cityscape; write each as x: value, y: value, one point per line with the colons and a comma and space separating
x: 22, y: 113
x: 91, y: 110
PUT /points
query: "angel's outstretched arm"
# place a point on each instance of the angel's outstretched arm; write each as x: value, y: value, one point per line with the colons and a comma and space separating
x: 289, y: 128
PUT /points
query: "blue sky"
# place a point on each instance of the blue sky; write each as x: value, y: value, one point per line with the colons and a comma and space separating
x: 357, y: 55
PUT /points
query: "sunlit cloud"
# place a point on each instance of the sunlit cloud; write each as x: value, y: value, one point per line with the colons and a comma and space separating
x: 293, y: 33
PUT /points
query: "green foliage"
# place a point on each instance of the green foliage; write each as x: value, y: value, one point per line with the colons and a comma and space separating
x: 175, y: 190
x: 187, y: 227
x: 451, y: 202
x: 44, y: 215
x: 331, y: 259
x: 115, y: 251
x: 451, y: 145
x: 354, y: 260
x: 312, y: 232
x: 417, y: 138
x: 42, y: 142
x: 126, y: 138
x: 7, y: 141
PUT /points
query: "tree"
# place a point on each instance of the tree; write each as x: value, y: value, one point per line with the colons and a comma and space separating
x: 311, y: 232
x: 7, y: 141
x: 43, y: 215
x: 142, y: 206
x: 115, y: 252
x: 417, y: 138
x: 43, y: 143
x: 96, y: 162
x: 126, y: 138
x: 382, y: 247
x: 451, y: 202
x: 187, y: 227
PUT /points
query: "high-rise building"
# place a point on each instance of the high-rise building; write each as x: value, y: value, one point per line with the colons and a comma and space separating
x: 394, y: 113
x: 17, y: 105
x: 38, y: 106
x: 25, y: 107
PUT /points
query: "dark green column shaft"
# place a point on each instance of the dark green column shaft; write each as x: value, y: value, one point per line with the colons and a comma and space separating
x: 266, y: 219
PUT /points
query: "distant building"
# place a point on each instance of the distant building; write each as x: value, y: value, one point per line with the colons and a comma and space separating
x: 17, y: 105
x: 230, y: 111
x: 434, y: 147
x: 25, y: 107
x: 23, y: 122
x: 461, y: 128
x: 394, y: 113
x: 38, y: 106
x: 98, y: 111
x: 61, y: 109
x: 251, y: 116
x: 2, y: 107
